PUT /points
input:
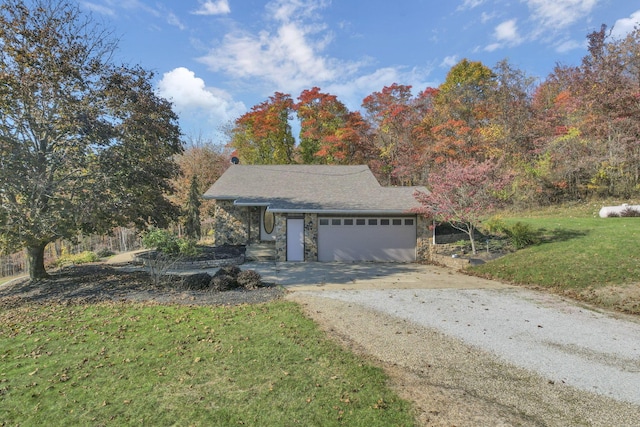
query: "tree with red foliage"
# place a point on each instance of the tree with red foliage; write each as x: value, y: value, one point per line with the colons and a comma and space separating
x: 321, y: 116
x: 396, y: 116
x: 463, y: 194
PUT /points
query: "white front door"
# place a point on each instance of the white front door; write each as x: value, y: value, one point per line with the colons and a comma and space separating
x: 295, y: 239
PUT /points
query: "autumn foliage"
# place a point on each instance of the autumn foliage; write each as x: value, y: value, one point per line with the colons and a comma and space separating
x: 571, y: 136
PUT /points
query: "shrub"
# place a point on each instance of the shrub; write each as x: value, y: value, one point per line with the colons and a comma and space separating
x: 223, y: 282
x: 187, y: 247
x: 494, y: 225
x: 522, y: 235
x: 229, y: 270
x: 105, y: 253
x: 81, y: 258
x: 161, y: 240
x: 249, y: 279
x: 630, y: 213
x: 198, y: 281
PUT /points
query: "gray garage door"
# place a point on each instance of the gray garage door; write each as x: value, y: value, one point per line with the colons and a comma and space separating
x: 367, y: 239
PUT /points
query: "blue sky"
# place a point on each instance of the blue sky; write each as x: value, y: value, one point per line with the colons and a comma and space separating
x: 215, y: 59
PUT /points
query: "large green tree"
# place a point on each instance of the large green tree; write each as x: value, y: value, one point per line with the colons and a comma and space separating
x: 85, y: 144
x: 263, y: 135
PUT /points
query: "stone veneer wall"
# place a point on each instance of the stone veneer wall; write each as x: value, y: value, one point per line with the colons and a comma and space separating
x: 311, y: 237
x: 424, y: 239
x: 235, y: 225
x: 230, y: 223
x: 280, y: 230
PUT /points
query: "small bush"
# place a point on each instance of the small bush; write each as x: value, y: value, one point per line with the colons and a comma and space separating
x: 229, y: 270
x: 630, y: 213
x: 81, y: 258
x: 249, y: 279
x: 494, y: 225
x: 161, y: 240
x: 223, y: 282
x: 187, y: 247
x: 522, y: 235
x: 196, y: 282
x: 105, y: 253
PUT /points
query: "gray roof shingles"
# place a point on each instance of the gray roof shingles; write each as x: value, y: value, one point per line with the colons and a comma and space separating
x: 312, y: 188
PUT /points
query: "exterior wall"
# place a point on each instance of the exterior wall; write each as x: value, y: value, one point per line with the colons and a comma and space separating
x: 230, y: 223
x: 424, y: 236
x: 240, y: 225
x: 280, y: 231
x: 235, y: 225
x: 254, y: 224
x: 311, y: 237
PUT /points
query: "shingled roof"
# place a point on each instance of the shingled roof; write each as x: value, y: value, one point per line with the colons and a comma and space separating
x: 312, y: 189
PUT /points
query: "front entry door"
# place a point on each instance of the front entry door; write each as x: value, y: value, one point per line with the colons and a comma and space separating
x: 295, y: 239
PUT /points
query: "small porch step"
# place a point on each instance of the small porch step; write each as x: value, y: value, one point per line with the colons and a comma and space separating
x: 263, y: 251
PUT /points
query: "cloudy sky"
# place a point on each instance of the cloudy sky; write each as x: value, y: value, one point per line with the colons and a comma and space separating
x: 215, y: 59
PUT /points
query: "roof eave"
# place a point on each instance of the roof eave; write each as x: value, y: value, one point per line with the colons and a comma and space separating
x: 344, y: 211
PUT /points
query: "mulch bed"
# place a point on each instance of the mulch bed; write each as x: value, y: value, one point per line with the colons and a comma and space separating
x: 92, y: 283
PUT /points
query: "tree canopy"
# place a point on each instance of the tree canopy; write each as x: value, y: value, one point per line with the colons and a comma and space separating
x: 85, y: 144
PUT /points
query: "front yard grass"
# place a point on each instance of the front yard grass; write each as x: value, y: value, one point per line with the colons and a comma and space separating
x: 594, y: 259
x: 149, y: 364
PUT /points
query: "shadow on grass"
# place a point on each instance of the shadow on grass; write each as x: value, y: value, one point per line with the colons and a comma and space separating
x: 560, y: 235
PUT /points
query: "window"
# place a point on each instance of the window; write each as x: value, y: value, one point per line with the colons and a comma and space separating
x: 324, y: 221
x: 397, y: 222
x: 373, y: 221
x: 348, y: 221
x: 269, y: 221
x: 360, y: 221
x: 408, y: 222
x: 384, y: 221
x: 335, y: 221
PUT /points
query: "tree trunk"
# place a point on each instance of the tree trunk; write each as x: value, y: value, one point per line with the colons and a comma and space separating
x: 35, y: 259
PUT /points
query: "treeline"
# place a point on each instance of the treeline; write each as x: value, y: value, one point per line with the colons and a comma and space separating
x: 572, y: 136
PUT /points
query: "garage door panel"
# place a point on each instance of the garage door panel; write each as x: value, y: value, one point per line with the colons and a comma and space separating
x: 366, y: 242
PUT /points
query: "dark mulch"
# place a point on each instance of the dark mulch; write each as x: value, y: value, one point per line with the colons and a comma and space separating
x: 91, y: 283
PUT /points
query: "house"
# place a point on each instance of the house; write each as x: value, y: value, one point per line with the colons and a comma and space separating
x: 318, y: 213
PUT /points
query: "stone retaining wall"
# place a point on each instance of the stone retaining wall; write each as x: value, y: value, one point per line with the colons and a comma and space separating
x: 196, y: 265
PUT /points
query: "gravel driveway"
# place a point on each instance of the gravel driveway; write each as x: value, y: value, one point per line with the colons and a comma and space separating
x: 491, y: 355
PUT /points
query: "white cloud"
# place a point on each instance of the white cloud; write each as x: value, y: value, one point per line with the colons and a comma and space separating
x: 556, y: 15
x: 470, y: 4
x: 289, y: 57
x: 103, y: 10
x: 213, y: 7
x: 449, y: 61
x: 570, y: 45
x: 172, y: 19
x: 190, y: 95
x: 352, y: 92
x: 507, y: 32
x: 486, y: 17
x: 624, y: 26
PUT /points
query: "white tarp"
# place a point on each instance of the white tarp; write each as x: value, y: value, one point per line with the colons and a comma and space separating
x: 608, y: 211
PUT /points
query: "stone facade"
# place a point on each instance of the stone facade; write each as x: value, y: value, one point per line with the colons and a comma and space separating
x: 424, y: 239
x: 240, y: 225
x: 280, y: 230
x: 311, y: 237
x: 235, y: 225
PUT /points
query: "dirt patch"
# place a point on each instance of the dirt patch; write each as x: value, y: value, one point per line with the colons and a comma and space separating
x: 92, y: 283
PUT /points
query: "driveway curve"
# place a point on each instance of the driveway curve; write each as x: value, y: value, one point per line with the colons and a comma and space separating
x: 470, y: 351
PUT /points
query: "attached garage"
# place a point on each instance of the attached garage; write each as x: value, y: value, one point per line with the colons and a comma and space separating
x: 319, y: 213
x: 382, y: 239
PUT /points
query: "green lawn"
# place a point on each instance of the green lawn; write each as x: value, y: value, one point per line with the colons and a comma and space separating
x: 580, y: 254
x: 142, y: 364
